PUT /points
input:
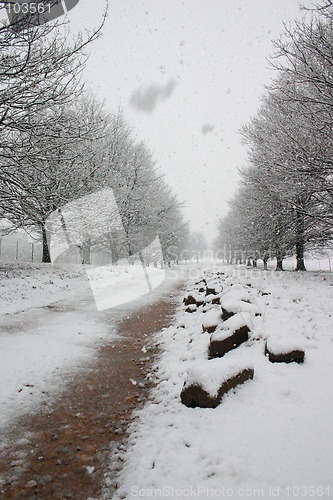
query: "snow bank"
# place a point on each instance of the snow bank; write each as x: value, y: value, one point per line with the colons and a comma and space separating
x: 49, y: 329
x: 23, y: 286
x: 26, y: 286
x: 38, y: 349
x: 116, y: 285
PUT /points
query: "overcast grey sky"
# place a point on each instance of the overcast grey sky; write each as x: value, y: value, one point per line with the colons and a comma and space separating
x: 187, y: 74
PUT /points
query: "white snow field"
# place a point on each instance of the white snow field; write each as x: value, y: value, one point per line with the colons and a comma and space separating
x: 271, y: 437
x: 50, y: 326
x: 112, y: 286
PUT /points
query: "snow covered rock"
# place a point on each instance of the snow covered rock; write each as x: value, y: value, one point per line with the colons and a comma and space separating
x: 213, y: 288
x: 207, y: 307
x: 212, y: 319
x: 236, y: 292
x: 201, y: 282
x: 231, y: 307
x: 284, y: 349
x: 231, y: 334
x: 212, y: 298
x: 201, y: 286
x: 208, y: 381
x: 191, y: 308
x: 189, y: 299
x: 194, y: 298
x: 200, y: 300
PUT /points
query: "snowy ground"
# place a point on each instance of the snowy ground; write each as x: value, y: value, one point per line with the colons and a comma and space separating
x: 50, y: 326
x: 24, y: 286
x: 270, y: 438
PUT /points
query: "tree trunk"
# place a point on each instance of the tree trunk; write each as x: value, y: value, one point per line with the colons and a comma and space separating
x: 85, y: 251
x: 265, y: 260
x: 279, y: 262
x: 300, y: 242
x: 254, y: 263
x: 300, y: 266
x: 46, y: 252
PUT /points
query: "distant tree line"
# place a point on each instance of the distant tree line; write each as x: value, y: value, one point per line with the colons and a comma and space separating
x: 284, y: 202
x: 58, y: 143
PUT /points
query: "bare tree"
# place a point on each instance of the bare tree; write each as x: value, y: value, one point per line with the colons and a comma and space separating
x: 55, y: 149
x: 143, y: 201
x: 55, y: 162
x: 285, y: 196
x: 39, y: 68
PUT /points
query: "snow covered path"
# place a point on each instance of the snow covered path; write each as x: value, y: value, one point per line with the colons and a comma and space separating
x: 80, y: 379
x: 46, y: 341
x: 50, y: 327
x: 272, y: 437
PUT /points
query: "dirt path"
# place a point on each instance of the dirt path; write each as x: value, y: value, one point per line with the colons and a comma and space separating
x: 62, y: 452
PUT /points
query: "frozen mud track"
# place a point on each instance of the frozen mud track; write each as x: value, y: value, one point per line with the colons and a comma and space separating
x: 65, y: 447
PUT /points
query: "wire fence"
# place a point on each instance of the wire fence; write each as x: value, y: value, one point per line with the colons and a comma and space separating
x: 19, y: 250
x: 22, y: 250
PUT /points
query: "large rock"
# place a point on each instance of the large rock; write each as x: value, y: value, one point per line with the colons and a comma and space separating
x: 206, y: 385
x: 236, y: 292
x: 189, y: 299
x: 200, y: 299
x: 231, y: 307
x: 219, y: 345
x: 227, y: 313
x: 201, y: 285
x: 212, y: 319
x: 291, y: 356
x: 194, y: 298
x: 212, y: 299
x: 191, y: 308
x: 230, y: 335
x: 213, y: 288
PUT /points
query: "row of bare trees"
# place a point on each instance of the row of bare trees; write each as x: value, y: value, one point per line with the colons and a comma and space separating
x: 284, y: 203
x: 58, y: 143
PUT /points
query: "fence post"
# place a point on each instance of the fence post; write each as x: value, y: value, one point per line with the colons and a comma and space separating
x: 32, y: 252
